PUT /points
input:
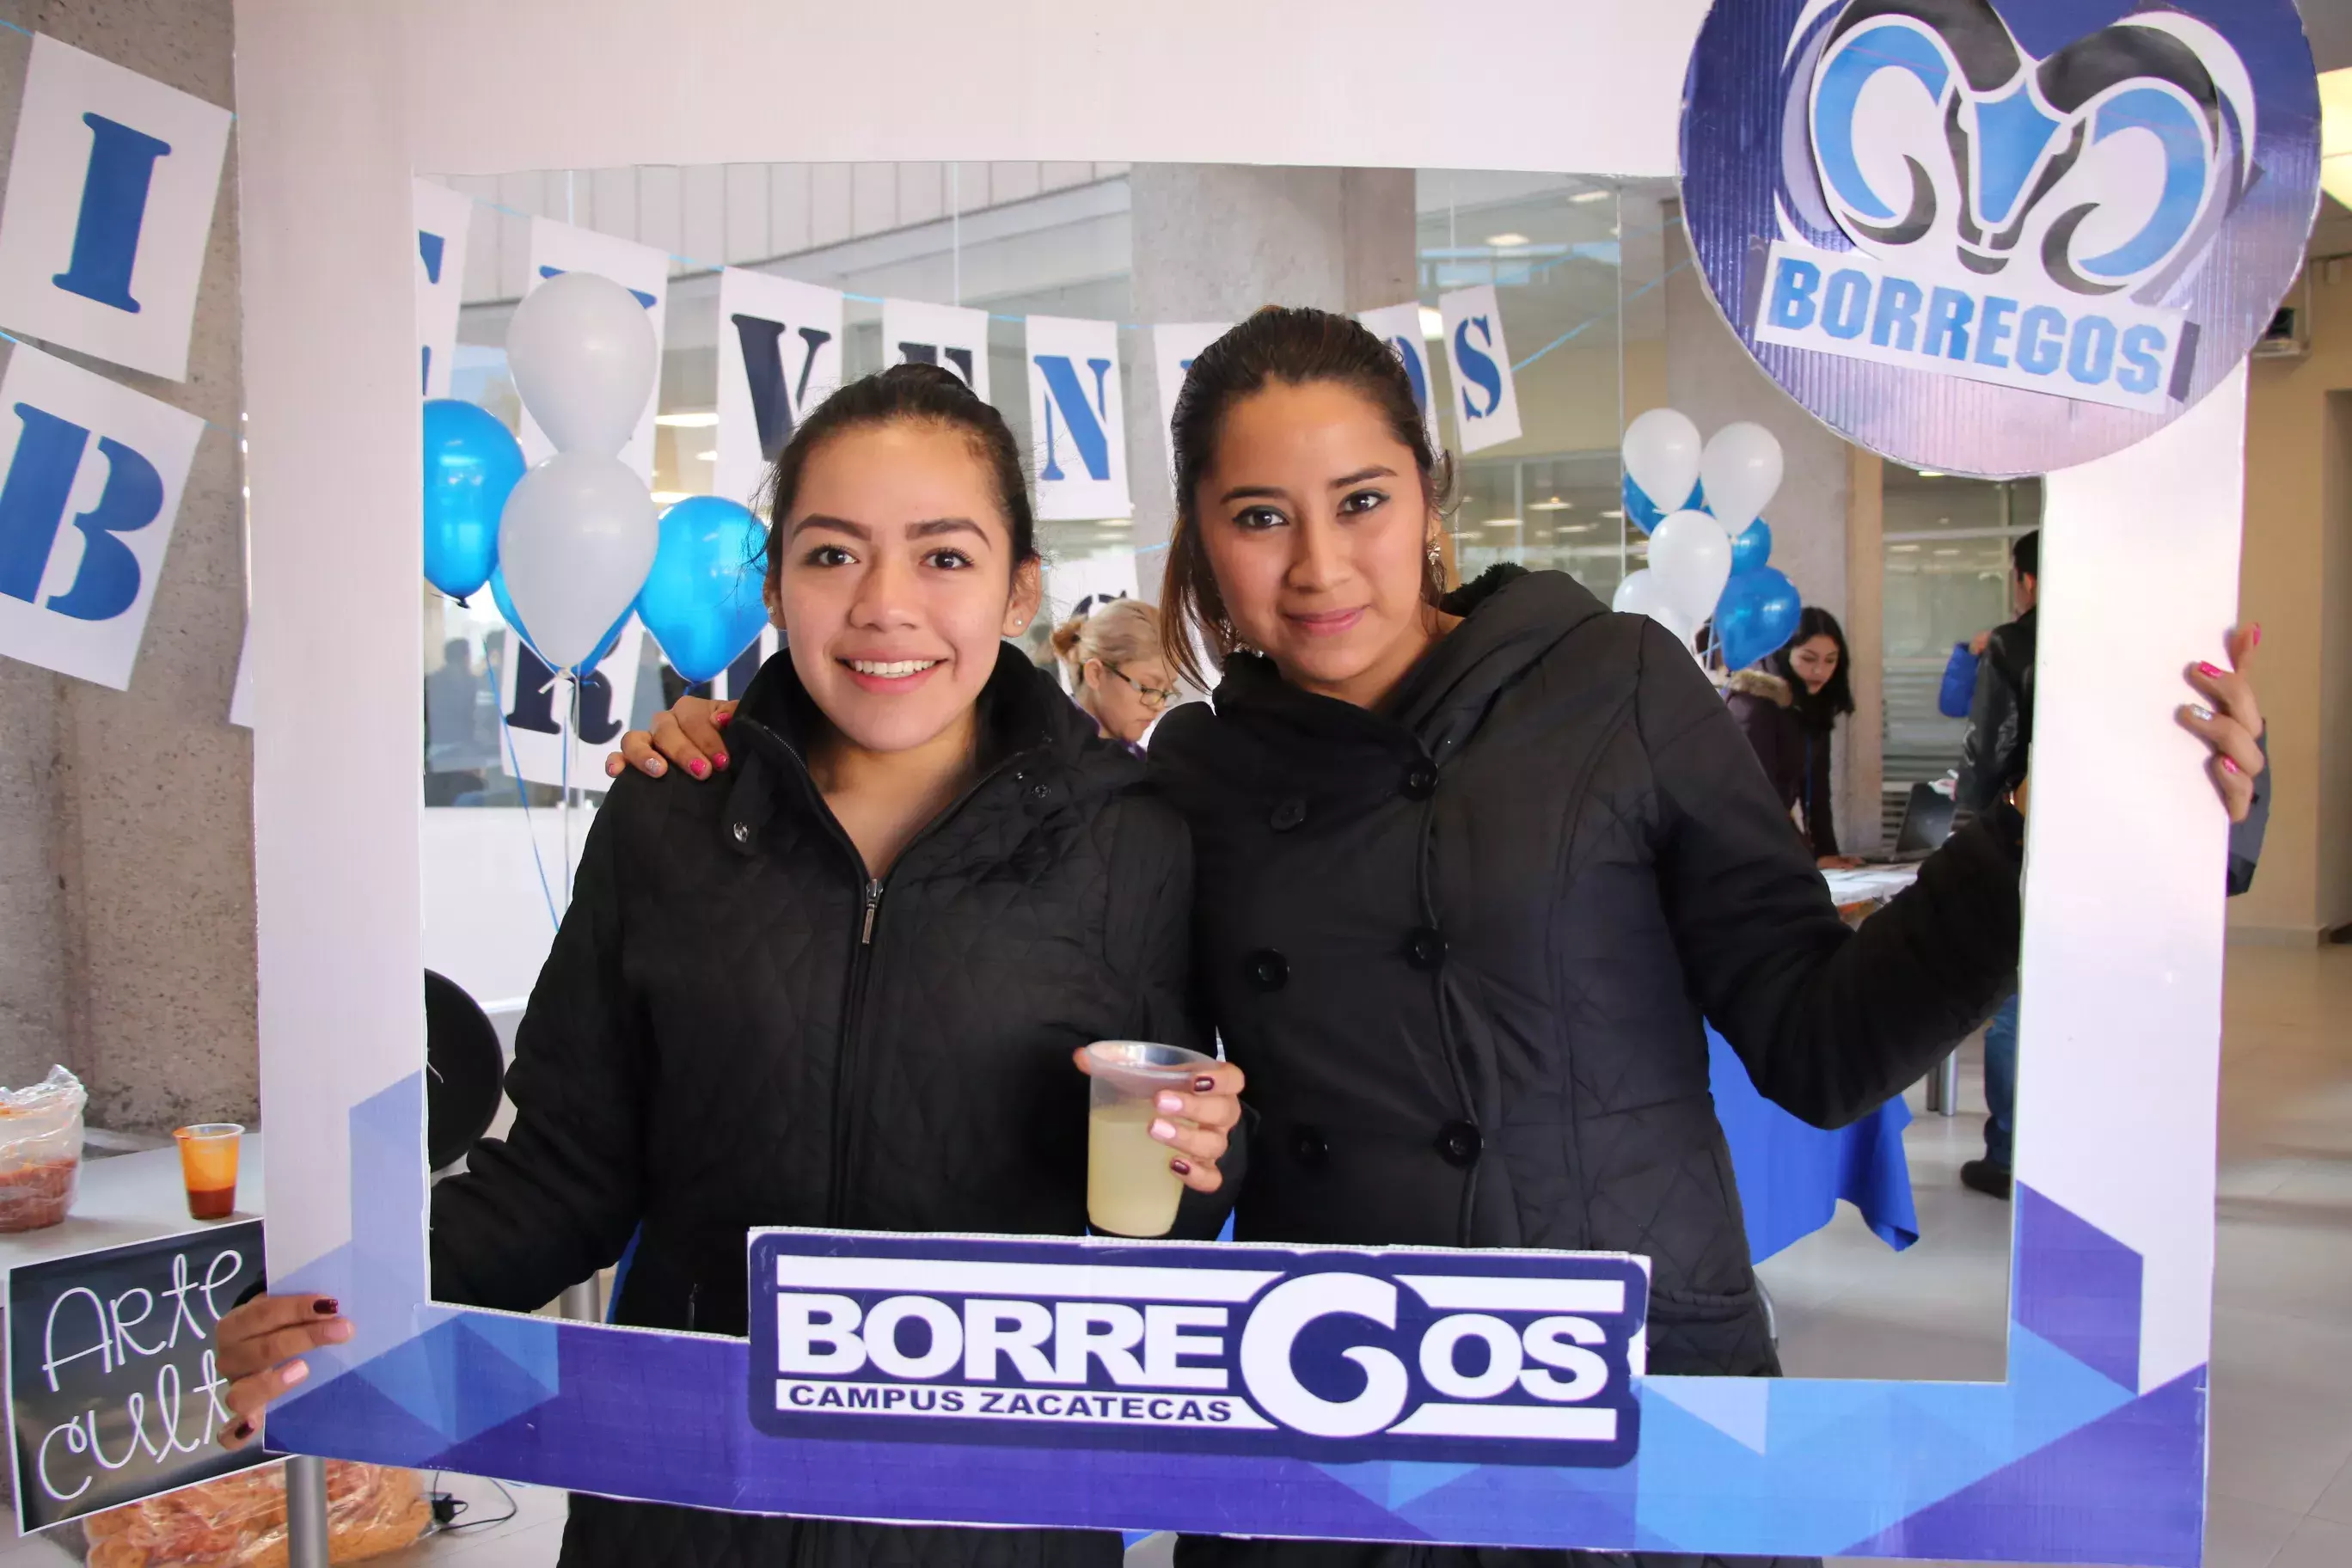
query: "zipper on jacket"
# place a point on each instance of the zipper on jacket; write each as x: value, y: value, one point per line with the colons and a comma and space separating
x: 861, y: 964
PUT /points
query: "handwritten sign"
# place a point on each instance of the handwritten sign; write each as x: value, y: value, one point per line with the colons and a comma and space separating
x: 112, y: 1391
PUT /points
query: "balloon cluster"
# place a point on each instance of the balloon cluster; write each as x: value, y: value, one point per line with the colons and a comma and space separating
x: 1708, y: 556
x: 572, y: 548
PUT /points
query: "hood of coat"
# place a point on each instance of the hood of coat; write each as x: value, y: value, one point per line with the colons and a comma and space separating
x: 1269, y: 736
x: 1760, y: 684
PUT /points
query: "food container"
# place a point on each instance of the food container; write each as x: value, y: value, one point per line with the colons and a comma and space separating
x: 239, y: 1521
x: 40, y: 1150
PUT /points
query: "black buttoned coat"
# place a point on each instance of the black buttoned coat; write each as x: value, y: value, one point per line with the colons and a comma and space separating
x: 1464, y: 947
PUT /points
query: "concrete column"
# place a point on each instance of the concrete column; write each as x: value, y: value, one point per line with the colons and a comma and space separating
x: 1214, y: 242
x: 1711, y: 376
x: 1866, y: 634
x: 126, y: 818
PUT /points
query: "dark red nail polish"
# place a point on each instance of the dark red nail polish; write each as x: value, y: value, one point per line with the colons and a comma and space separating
x: 1181, y: 1167
x: 1203, y: 1084
x: 326, y: 1307
x: 2208, y: 672
x: 243, y: 1430
x: 720, y: 760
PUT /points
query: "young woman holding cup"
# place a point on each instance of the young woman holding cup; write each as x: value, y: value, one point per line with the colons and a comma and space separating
x: 846, y: 987
x: 1477, y: 868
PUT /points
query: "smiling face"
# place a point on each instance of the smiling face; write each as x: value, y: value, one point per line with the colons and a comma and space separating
x: 1815, y: 660
x: 1316, y: 524
x: 896, y: 582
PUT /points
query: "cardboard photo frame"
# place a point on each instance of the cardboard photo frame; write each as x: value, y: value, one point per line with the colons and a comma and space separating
x: 2094, y: 1447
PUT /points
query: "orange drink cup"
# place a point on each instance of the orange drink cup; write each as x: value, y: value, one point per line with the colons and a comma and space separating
x: 208, y: 1166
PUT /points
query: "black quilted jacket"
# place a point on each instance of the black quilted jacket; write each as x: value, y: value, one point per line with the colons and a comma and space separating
x: 714, y: 1044
x: 1463, y: 947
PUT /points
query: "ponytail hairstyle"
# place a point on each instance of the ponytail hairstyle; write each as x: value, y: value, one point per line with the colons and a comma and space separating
x: 923, y: 393
x: 1116, y: 631
x: 1294, y: 346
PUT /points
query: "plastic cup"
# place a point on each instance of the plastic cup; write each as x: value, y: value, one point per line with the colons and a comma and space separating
x: 208, y: 1167
x: 1131, y: 1191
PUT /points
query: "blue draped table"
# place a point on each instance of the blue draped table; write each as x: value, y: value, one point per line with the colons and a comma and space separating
x: 1792, y: 1175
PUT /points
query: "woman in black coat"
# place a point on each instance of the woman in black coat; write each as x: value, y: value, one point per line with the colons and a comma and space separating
x: 1790, y: 709
x: 741, y: 1022
x: 1474, y: 869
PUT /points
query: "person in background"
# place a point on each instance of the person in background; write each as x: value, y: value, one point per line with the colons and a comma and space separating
x: 460, y: 726
x: 1789, y: 709
x: 1110, y: 649
x: 1993, y: 764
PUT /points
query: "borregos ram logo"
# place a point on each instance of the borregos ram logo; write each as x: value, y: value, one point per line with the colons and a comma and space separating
x: 2095, y: 200
x: 2014, y: 220
x: 1487, y: 1357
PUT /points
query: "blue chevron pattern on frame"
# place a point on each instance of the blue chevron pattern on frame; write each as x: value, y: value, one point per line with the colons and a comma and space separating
x: 2063, y: 1462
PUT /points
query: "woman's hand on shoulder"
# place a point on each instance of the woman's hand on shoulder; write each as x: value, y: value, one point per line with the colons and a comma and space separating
x: 1194, y: 1124
x: 259, y: 1348
x: 2229, y: 719
x: 686, y: 736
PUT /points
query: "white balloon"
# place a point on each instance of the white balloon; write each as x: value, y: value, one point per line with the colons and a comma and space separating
x: 1690, y: 555
x: 1661, y: 456
x: 582, y: 355
x: 1741, y: 467
x: 1643, y: 594
x: 1638, y: 595
x: 575, y: 542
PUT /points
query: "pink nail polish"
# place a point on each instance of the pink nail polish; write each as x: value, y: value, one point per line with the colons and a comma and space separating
x: 2258, y: 635
x: 1164, y: 1130
x: 698, y: 768
x: 720, y: 760
x: 2209, y: 671
x: 1168, y: 1103
x: 2228, y: 764
x: 295, y: 1374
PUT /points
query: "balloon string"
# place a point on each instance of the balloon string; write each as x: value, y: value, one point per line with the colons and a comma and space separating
x: 522, y: 793
x: 570, y: 735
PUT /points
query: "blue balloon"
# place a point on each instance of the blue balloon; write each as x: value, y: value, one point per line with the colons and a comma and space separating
x: 1752, y: 549
x: 605, y: 645
x: 701, y: 600
x: 1645, y: 514
x: 471, y: 461
x: 1756, y: 616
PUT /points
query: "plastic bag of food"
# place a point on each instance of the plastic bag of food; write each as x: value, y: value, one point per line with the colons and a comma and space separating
x: 239, y: 1521
x: 40, y: 1150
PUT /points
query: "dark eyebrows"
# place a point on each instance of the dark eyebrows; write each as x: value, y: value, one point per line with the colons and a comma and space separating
x: 858, y: 531
x: 1274, y: 492
x: 939, y: 525
x: 834, y: 524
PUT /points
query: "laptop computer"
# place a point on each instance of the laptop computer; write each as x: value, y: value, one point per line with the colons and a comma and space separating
x: 1927, y: 823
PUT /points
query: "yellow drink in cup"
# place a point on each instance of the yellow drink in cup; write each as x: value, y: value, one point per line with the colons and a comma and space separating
x: 208, y: 1167
x: 1131, y: 1191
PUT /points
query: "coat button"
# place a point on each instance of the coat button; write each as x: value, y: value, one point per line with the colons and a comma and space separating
x: 742, y: 833
x: 1267, y: 970
x: 1419, y: 781
x: 1307, y: 1147
x: 1424, y: 948
x: 1038, y: 792
x: 1288, y: 814
x: 1458, y: 1144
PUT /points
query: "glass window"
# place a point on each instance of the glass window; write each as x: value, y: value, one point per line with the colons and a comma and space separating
x: 1946, y: 547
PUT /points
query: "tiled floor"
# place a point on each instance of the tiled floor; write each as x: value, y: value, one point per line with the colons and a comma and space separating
x: 2281, y: 1485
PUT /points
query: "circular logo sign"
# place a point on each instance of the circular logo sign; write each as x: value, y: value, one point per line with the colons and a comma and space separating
x: 2001, y: 238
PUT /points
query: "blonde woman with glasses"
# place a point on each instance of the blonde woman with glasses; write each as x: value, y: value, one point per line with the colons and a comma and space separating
x: 1111, y: 650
